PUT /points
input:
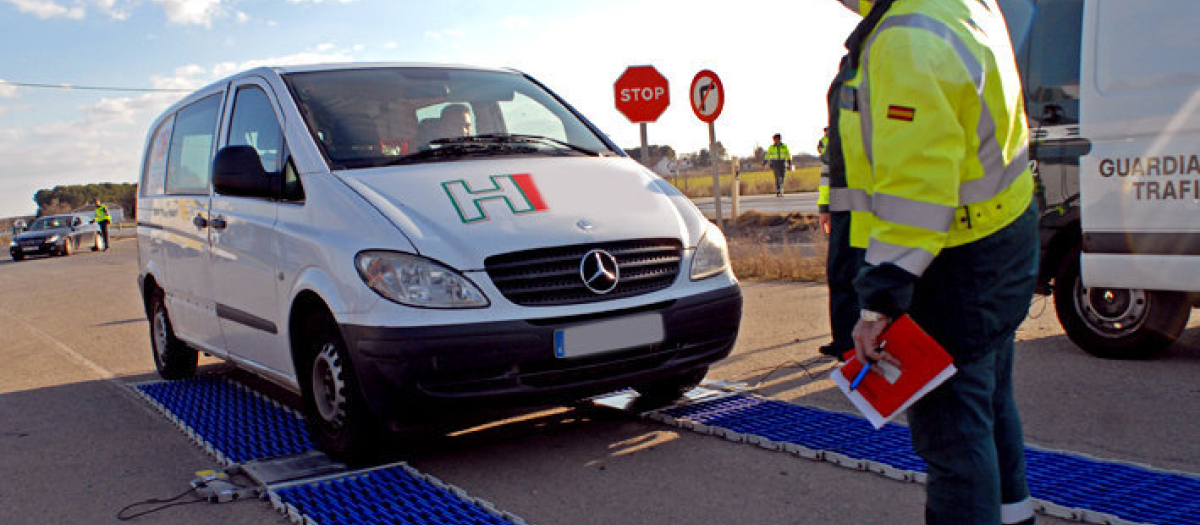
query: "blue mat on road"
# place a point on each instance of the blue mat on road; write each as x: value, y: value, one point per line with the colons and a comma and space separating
x: 1132, y: 493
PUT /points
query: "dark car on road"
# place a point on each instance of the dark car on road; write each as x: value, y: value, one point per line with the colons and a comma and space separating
x: 53, y: 235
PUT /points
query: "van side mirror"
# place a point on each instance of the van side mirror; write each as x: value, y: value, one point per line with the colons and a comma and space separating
x: 237, y: 171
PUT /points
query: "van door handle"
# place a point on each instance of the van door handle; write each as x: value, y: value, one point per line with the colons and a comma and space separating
x: 218, y: 223
x: 200, y: 222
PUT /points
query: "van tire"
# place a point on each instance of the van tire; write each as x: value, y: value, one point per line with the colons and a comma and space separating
x: 666, y: 391
x: 1117, y: 323
x: 337, y: 415
x: 173, y: 358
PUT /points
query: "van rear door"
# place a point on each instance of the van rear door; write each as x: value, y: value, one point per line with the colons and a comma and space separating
x: 182, y: 215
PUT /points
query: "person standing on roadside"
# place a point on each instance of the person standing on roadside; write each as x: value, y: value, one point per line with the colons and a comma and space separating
x: 780, y: 160
x: 102, y: 220
x: 842, y: 260
x: 935, y: 141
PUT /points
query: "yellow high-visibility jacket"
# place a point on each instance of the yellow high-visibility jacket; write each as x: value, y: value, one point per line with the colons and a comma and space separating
x: 823, y: 183
x: 778, y: 152
x: 102, y: 214
x: 933, y: 132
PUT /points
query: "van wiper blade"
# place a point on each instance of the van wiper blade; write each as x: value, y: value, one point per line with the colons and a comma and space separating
x: 520, y: 138
x: 457, y: 148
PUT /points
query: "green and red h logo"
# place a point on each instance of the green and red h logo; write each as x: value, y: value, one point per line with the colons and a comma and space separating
x: 518, y: 191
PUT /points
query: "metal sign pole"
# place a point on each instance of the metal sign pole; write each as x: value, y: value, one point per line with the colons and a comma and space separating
x: 716, y: 162
x: 645, y: 147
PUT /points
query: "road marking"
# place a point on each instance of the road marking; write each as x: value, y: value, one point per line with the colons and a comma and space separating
x: 64, y: 349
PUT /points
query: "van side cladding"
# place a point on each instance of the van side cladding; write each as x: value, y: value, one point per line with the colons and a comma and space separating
x: 402, y: 243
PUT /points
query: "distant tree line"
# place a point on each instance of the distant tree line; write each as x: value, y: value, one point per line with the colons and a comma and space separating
x: 65, y: 199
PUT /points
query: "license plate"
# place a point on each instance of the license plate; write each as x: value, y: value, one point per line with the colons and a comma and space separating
x: 29, y: 248
x: 608, y: 336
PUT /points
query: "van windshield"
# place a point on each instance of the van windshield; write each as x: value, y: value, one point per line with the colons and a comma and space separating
x: 375, y: 117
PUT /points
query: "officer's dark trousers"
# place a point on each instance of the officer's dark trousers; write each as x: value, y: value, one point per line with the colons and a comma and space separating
x: 971, y: 300
x: 104, y: 234
x: 841, y: 266
x: 780, y: 169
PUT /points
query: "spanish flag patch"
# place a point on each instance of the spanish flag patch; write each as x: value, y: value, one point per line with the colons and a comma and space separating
x: 901, y: 113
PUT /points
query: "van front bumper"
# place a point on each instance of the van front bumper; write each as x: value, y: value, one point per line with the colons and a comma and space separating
x: 416, y: 373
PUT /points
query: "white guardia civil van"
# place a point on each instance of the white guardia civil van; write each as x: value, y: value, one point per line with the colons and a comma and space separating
x: 396, y: 242
x: 1113, y: 98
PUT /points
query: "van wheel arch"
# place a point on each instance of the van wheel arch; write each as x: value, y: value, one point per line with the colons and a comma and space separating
x: 335, y: 410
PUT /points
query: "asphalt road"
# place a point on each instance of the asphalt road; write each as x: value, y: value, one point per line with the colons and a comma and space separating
x: 789, y: 202
x: 76, y: 445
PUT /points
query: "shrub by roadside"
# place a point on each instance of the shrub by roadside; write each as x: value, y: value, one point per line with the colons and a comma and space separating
x: 776, y: 246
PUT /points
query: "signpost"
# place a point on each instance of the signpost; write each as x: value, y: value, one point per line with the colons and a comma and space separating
x: 642, y: 95
x: 707, y: 97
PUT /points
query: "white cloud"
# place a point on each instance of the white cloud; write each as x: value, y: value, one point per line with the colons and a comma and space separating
x: 241, y: 17
x: 320, y: 1
x: 198, y: 12
x: 7, y: 90
x: 445, y: 33
x: 516, y: 23
x: 48, y: 9
x: 110, y: 7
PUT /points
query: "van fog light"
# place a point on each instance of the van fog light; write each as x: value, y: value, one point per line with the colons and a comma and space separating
x: 416, y: 281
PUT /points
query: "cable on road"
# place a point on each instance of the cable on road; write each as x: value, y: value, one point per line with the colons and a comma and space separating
x: 168, y: 503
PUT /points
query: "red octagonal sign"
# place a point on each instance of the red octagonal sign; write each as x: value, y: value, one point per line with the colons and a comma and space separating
x: 642, y: 94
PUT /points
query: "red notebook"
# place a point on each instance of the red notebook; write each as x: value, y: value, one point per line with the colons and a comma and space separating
x: 887, y: 390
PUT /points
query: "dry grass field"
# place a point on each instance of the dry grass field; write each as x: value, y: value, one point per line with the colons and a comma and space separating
x: 764, y: 246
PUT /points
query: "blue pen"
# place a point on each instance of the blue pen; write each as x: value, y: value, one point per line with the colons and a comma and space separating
x: 866, y: 368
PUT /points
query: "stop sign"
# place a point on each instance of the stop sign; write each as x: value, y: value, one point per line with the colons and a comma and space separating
x: 642, y: 94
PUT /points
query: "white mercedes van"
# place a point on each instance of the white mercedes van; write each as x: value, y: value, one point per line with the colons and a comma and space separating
x: 395, y: 241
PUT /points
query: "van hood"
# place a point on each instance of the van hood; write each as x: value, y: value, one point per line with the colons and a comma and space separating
x: 464, y: 211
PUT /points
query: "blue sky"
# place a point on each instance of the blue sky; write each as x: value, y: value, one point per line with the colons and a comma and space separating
x: 775, y: 59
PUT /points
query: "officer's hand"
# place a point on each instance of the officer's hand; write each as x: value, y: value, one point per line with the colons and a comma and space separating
x: 866, y: 336
x: 823, y: 222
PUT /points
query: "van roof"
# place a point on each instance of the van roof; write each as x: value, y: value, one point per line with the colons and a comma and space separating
x: 334, y: 66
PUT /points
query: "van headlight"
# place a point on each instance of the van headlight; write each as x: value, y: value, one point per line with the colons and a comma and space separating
x: 416, y: 281
x: 712, y: 254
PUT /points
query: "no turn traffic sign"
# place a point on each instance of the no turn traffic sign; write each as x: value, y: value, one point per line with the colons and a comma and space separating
x: 707, y: 96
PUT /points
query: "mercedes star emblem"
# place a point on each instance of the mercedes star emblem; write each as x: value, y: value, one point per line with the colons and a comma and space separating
x: 599, y: 271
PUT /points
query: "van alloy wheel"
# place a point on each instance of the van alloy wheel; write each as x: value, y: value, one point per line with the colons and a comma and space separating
x: 329, y: 386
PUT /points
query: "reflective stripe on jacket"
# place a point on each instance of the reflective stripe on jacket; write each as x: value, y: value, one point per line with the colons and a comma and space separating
x: 933, y: 132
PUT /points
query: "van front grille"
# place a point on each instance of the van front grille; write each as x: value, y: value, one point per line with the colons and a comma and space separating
x: 553, y: 277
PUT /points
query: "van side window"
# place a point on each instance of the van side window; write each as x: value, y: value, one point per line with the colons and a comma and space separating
x: 526, y: 116
x: 189, y: 164
x: 254, y: 124
x: 154, y: 170
x: 1052, y: 77
x: 292, y: 189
